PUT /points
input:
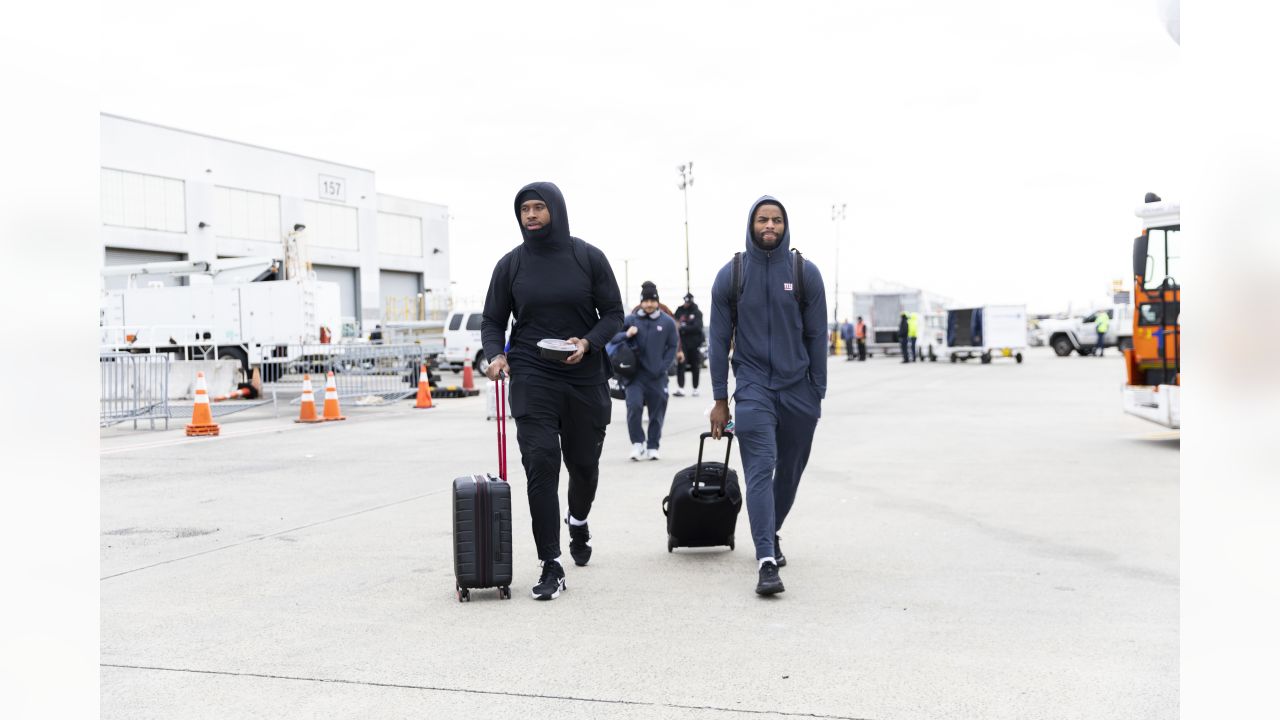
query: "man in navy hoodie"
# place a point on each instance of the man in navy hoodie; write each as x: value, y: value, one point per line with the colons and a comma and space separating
x: 652, y: 335
x: 780, y: 372
x: 557, y: 287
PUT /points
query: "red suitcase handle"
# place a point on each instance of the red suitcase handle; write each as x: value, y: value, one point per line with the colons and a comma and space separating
x: 502, y: 425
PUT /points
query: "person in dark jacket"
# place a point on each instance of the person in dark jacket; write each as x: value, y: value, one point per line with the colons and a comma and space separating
x: 904, y: 329
x: 780, y: 373
x: 557, y: 287
x: 651, y: 333
x: 689, y: 320
x: 650, y: 285
x: 846, y: 335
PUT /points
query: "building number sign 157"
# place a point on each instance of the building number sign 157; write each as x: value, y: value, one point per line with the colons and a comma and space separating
x: 333, y: 188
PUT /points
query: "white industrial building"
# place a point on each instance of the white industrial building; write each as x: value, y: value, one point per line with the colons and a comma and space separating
x: 170, y: 194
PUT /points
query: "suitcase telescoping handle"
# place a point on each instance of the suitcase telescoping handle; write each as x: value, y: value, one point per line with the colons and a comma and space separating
x: 502, y: 425
x: 697, y: 473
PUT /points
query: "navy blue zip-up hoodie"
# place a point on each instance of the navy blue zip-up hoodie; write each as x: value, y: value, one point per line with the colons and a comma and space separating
x: 775, y: 347
x: 552, y: 295
x: 655, y: 343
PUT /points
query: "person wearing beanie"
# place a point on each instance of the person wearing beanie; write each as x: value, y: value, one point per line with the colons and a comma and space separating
x: 649, y: 285
x: 556, y: 287
x: 689, y: 320
x: 776, y: 320
x: 651, y: 333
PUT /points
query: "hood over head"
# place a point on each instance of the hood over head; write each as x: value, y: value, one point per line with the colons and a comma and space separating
x: 555, y: 234
x: 784, y: 244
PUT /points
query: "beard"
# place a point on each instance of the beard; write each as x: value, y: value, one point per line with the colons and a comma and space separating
x: 757, y: 236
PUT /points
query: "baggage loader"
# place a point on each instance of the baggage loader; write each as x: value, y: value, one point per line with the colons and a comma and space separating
x: 482, y: 522
x: 702, y: 509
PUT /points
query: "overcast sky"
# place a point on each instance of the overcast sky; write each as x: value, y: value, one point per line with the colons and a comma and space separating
x: 989, y: 151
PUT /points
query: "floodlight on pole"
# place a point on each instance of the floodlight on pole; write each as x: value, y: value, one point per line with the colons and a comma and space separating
x: 686, y: 179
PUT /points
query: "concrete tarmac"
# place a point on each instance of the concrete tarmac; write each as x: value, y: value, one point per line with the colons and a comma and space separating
x: 969, y: 541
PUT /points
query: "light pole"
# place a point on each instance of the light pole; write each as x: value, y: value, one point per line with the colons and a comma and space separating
x: 626, y: 275
x: 837, y: 214
x: 686, y: 179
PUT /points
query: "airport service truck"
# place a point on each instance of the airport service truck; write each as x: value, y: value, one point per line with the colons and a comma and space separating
x: 1080, y: 334
x: 881, y: 310
x: 250, y: 310
x: 1153, y: 366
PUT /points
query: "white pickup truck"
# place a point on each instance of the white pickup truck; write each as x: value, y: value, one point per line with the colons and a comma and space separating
x: 1078, y: 334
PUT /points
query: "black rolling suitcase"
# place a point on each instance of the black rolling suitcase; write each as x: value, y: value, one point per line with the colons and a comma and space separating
x: 482, y: 522
x: 702, y: 509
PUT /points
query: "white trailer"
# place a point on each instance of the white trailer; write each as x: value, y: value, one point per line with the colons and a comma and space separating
x: 882, y: 310
x: 249, y: 317
x: 986, y: 332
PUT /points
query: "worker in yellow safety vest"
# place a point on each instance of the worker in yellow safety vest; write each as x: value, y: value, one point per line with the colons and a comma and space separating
x: 1101, y: 323
x: 913, y: 332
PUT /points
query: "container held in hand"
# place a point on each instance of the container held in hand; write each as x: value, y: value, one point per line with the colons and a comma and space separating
x: 551, y: 349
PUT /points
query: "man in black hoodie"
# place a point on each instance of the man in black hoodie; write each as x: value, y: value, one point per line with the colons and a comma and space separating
x: 689, y: 320
x: 557, y: 287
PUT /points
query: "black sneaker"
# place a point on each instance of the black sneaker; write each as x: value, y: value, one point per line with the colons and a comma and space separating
x: 777, y: 552
x: 551, y: 584
x: 770, y: 583
x: 578, y: 547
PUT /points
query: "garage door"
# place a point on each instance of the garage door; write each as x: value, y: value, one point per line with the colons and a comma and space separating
x: 345, y: 277
x: 399, y: 294
x: 121, y: 256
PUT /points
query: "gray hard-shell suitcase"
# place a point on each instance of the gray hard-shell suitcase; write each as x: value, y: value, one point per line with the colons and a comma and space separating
x: 482, y: 522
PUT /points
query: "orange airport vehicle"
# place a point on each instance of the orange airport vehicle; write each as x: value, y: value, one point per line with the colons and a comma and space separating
x: 1153, y: 386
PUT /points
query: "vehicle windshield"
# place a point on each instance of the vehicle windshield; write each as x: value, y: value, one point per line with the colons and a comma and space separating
x: 1163, y: 250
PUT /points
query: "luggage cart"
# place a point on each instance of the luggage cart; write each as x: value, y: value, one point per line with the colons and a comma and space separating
x: 986, y: 332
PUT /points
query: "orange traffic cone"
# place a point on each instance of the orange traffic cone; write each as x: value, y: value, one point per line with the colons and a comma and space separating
x: 331, y: 410
x: 424, y: 389
x: 468, y: 380
x: 308, y: 412
x: 248, y: 391
x: 201, y: 417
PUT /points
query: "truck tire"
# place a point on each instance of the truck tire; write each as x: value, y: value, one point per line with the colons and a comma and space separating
x: 953, y: 357
x: 237, y: 354
x: 479, y: 364
x: 986, y: 358
x: 1018, y: 357
x: 1061, y: 345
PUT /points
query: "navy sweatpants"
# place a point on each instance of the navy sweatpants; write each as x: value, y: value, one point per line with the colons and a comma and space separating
x: 650, y: 393
x: 774, y: 429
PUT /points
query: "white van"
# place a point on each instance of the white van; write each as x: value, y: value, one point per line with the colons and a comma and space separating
x: 462, y: 341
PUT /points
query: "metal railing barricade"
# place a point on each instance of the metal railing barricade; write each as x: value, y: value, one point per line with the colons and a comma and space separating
x: 366, y: 374
x: 134, y: 387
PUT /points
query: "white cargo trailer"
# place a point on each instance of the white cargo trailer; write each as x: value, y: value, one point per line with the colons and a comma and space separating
x: 986, y: 332
x: 882, y: 310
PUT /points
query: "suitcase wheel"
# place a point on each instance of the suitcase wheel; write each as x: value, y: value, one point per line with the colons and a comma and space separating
x: 464, y: 595
x: 731, y: 546
x: 504, y: 592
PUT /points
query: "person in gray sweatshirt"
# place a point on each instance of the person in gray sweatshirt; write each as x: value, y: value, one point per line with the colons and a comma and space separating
x: 776, y: 325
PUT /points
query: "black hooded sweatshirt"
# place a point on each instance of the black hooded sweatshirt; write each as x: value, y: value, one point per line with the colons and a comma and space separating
x: 553, y: 296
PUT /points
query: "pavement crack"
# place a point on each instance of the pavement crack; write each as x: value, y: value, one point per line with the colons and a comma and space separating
x: 274, y: 534
x: 496, y: 693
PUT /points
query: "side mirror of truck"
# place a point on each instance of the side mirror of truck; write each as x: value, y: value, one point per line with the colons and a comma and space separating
x: 1140, y: 259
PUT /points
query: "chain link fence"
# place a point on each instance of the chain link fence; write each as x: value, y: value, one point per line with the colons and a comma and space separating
x: 134, y: 387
